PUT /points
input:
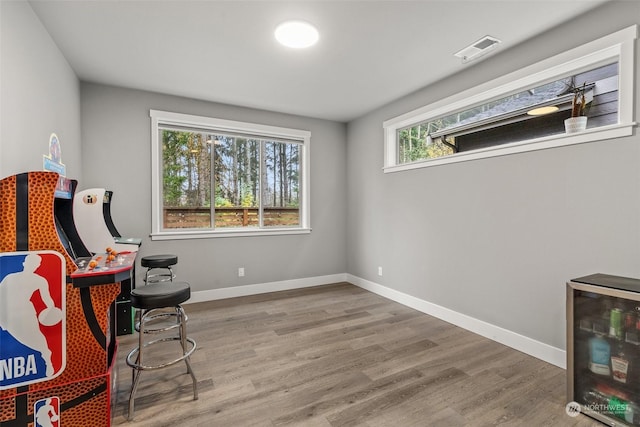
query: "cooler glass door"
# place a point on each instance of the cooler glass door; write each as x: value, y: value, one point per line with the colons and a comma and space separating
x: 603, y: 352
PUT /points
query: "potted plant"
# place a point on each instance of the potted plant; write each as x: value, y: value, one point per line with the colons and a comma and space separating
x: 579, y: 107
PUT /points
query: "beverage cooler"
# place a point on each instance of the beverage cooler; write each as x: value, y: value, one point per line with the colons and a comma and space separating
x: 603, y: 348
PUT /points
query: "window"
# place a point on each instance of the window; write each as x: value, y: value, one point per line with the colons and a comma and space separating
x: 217, y: 177
x: 503, y: 116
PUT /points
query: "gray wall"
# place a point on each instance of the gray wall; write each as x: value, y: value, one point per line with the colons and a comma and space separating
x: 497, y: 239
x: 39, y: 95
x: 116, y: 138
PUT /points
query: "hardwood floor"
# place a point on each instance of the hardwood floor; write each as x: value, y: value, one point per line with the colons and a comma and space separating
x: 337, y: 355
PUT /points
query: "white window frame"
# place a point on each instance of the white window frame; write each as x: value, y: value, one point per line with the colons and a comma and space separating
x: 619, y: 46
x: 160, y: 118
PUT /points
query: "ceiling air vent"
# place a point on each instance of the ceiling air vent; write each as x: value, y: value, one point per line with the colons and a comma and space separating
x: 477, y: 49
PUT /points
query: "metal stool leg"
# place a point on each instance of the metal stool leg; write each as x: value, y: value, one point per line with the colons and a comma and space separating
x: 138, y: 316
x: 135, y: 371
x: 183, y: 342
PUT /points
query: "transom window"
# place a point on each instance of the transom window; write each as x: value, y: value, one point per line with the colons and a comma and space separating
x: 223, y: 178
x: 532, y: 113
x: 523, y: 111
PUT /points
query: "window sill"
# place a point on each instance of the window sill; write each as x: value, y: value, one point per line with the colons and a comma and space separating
x: 212, y: 234
x: 559, y: 140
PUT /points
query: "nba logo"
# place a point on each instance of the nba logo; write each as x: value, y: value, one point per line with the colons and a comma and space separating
x: 32, y: 317
x: 46, y: 412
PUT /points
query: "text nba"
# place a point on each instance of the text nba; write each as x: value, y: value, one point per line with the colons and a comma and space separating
x: 16, y: 367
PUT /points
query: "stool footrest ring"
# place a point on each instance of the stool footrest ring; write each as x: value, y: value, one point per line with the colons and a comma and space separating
x: 159, y: 277
x: 155, y: 317
x: 138, y: 366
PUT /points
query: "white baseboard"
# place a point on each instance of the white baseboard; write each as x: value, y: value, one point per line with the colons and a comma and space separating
x: 527, y: 345
x: 534, y: 348
x: 263, y: 288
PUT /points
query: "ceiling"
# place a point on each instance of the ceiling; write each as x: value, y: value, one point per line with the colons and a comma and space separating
x: 369, y: 52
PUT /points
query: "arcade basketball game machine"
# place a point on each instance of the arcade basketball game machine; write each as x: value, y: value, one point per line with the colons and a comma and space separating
x: 93, y: 221
x: 57, y: 349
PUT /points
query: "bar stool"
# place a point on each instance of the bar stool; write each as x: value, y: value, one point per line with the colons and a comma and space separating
x: 148, y: 299
x: 154, y: 263
x: 159, y: 262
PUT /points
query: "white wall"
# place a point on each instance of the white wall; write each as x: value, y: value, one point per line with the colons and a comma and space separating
x: 116, y: 137
x: 497, y: 239
x: 39, y: 95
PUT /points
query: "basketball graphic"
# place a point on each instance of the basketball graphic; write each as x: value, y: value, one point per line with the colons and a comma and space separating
x: 32, y: 317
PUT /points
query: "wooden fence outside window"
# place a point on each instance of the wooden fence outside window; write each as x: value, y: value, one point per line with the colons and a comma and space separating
x: 230, y: 217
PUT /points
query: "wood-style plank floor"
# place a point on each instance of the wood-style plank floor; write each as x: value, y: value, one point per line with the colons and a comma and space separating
x: 337, y: 355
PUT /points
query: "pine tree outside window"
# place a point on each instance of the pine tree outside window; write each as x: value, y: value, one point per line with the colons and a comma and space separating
x: 222, y: 178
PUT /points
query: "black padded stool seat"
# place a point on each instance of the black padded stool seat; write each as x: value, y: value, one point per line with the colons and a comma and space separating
x: 161, y: 294
x: 159, y: 261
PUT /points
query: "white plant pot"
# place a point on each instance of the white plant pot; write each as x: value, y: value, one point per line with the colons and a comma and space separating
x: 575, y: 124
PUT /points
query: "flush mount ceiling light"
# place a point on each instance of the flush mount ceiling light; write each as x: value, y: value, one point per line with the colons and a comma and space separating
x: 296, y: 34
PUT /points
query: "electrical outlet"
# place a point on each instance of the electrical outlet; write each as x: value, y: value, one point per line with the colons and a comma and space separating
x: 241, y: 272
x: 379, y: 271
